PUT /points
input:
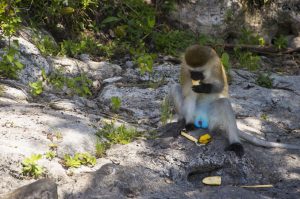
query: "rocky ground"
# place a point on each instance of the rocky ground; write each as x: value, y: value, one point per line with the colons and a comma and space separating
x: 165, y: 167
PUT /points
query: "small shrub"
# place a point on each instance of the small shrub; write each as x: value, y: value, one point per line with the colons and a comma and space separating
x: 71, y: 162
x: 10, y: 65
x: 264, y: 80
x: 53, y: 146
x: 36, y: 87
x: 117, y: 135
x: 115, y: 103
x: 249, y: 37
x: 47, y: 46
x: 78, y: 85
x: 145, y: 63
x: 248, y: 60
x: 58, y: 135
x: 79, y: 159
x: 101, y: 148
x: 50, y: 155
x: 174, y: 41
x: 30, y: 166
x: 264, y: 116
x: 86, y: 159
x: 281, y: 42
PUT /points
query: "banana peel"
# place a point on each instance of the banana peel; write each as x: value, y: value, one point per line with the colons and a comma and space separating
x: 204, y: 139
x: 212, y: 180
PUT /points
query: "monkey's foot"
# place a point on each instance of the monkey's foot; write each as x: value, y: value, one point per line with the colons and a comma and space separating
x: 237, y: 148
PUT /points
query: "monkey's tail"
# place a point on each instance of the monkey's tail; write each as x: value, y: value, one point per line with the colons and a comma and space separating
x: 260, y: 142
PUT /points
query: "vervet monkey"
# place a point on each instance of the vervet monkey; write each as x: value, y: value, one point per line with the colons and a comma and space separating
x: 204, y: 91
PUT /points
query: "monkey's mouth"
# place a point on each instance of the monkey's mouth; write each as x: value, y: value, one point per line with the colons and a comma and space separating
x: 195, y: 82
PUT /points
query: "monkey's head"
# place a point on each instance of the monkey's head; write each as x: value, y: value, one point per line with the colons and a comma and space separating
x: 197, y: 56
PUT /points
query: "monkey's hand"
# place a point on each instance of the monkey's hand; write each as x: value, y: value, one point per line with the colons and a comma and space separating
x: 202, y: 88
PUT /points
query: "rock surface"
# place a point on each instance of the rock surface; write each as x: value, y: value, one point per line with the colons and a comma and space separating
x: 168, y: 166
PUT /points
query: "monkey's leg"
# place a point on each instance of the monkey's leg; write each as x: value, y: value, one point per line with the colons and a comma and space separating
x: 221, y: 117
x: 184, y: 107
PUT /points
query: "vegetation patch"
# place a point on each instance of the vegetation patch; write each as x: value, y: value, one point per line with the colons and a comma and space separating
x: 30, y: 166
x: 115, y: 103
x: 117, y: 135
x: 79, y: 159
x: 265, y: 80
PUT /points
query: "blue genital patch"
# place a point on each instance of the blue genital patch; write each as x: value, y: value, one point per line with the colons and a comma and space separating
x: 201, y: 122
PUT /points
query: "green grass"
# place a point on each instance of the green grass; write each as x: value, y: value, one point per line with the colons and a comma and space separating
x: 101, y: 148
x: 117, y: 135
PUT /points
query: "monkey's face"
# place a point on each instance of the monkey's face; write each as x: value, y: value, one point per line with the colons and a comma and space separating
x: 196, y: 77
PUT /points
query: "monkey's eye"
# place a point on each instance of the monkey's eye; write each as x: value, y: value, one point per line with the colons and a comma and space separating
x: 196, y: 75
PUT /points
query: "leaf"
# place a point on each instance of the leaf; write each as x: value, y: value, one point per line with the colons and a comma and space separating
x: 110, y: 19
x: 212, y: 180
x: 67, y: 10
x: 18, y: 64
x: 151, y: 22
x: 10, y: 58
x: 44, y: 74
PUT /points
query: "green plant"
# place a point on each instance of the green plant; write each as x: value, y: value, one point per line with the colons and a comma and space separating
x: 46, y: 45
x: 79, y: 159
x: 265, y: 80
x: 255, y: 4
x: 115, y: 103
x: 9, y: 19
x: 30, y: 166
x: 86, y: 159
x: 50, y: 155
x: 101, y: 148
x: 174, y: 41
x: 78, y: 85
x: 165, y: 110
x: 36, y: 87
x: 59, y: 15
x: 9, y: 24
x: 261, y: 41
x: 247, y: 59
x: 117, y: 135
x: 53, y: 146
x: 145, y: 63
x: 10, y: 65
x: 249, y: 37
x: 264, y: 116
x: 281, y: 42
x: 71, y: 162
x: 58, y: 135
